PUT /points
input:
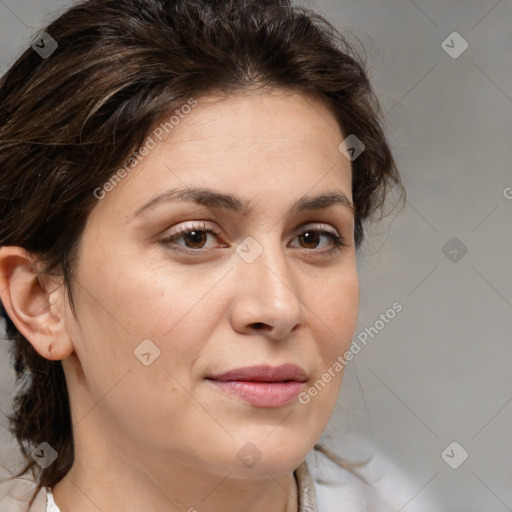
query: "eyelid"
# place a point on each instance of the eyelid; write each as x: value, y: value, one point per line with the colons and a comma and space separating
x: 337, y: 241
x: 202, y: 225
x: 318, y: 226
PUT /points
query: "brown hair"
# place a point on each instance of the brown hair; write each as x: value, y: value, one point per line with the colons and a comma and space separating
x: 69, y: 121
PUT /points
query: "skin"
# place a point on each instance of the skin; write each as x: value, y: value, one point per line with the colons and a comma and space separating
x: 161, y: 437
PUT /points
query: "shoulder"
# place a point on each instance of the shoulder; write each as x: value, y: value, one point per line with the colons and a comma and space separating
x: 388, y: 489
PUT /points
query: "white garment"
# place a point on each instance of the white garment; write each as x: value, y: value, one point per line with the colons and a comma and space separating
x: 389, y: 487
x: 50, y: 504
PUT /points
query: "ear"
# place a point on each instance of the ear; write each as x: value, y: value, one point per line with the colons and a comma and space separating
x: 35, y: 304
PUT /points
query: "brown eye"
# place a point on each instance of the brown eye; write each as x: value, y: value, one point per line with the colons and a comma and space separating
x: 311, y: 239
x: 193, y: 238
x: 196, y: 239
x: 314, y: 242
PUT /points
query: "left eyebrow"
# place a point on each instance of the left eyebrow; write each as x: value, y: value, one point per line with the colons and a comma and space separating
x: 217, y: 200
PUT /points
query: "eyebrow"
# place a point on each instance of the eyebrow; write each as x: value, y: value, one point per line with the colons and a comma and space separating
x: 229, y: 202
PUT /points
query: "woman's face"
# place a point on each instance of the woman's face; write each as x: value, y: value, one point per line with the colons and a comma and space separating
x: 245, y: 278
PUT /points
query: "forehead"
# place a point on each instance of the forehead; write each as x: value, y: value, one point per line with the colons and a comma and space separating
x: 271, y: 118
x: 248, y: 144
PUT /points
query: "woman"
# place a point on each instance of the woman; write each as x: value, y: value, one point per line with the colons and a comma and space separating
x: 184, y: 186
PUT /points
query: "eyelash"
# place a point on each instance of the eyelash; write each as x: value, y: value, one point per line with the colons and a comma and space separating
x: 337, y: 242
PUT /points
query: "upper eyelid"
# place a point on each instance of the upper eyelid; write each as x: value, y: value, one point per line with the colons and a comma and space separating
x: 204, y: 226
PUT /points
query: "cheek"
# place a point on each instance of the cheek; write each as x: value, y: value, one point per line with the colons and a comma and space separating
x: 119, y: 306
x: 141, y: 294
x: 336, y: 309
x: 125, y: 301
x: 172, y: 304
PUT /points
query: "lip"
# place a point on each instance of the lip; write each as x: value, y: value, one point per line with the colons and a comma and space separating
x: 263, y: 373
x: 263, y: 386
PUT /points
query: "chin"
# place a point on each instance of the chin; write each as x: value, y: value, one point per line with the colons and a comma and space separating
x: 259, y: 459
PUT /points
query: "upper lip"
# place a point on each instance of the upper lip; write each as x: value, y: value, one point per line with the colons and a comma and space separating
x: 263, y: 373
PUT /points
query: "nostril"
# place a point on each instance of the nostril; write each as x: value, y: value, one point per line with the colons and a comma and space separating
x: 259, y: 325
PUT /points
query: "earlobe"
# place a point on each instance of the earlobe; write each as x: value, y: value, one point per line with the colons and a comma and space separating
x: 31, y: 307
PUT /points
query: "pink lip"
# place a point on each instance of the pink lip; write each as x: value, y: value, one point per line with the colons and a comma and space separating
x: 263, y: 386
x: 263, y: 373
x: 262, y: 394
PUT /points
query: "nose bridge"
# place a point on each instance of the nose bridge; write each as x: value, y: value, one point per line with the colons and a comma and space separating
x: 268, y: 289
x: 268, y: 265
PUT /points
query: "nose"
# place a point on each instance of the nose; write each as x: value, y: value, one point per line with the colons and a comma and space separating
x: 268, y: 296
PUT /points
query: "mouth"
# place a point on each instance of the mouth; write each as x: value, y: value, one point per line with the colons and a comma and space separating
x: 263, y: 373
x: 262, y: 386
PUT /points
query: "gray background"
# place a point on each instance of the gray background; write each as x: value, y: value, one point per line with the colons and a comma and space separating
x: 440, y: 371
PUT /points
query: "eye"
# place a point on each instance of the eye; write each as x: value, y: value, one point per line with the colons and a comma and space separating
x: 194, y: 239
x: 194, y: 236
x: 312, y: 238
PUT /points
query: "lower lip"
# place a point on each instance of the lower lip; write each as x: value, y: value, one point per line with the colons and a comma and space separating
x: 262, y: 394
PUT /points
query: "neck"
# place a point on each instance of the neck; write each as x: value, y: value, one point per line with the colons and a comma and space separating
x: 108, y: 476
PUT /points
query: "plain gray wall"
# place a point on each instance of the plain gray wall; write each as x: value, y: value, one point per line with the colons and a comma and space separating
x: 440, y: 371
